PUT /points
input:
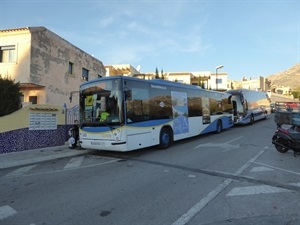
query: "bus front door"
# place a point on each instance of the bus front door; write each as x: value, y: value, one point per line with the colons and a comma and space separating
x: 235, y: 115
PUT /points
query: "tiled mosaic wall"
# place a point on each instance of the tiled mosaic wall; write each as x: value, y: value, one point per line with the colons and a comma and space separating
x: 25, y: 139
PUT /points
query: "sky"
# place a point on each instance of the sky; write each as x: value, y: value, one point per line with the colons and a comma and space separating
x: 249, y: 38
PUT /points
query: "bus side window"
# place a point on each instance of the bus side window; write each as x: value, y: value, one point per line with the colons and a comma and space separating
x: 129, y: 112
x: 194, y: 106
x: 137, y: 110
x: 128, y: 95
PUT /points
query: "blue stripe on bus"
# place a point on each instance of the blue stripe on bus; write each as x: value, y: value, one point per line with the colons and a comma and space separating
x: 226, y: 123
x: 148, y: 123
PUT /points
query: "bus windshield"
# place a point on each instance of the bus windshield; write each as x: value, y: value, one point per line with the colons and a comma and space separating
x: 101, y: 103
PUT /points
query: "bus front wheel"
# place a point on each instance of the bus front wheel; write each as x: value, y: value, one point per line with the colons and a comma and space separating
x: 251, y: 119
x: 165, y: 138
x: 266, y: 114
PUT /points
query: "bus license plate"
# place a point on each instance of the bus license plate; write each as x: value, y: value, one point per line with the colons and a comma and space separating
x: 98, y: 143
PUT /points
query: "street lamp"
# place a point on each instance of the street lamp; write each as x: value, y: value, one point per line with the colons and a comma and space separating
x: 218, y: 67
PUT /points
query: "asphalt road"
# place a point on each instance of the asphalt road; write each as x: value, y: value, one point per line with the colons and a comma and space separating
x: 236, y: 177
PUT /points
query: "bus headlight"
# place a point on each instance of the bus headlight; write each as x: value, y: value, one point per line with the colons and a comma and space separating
x: 117, y: 133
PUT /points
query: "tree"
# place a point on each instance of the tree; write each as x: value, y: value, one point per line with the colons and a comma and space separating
x: 9, y: 96
x: 156, y: 73
x: 162, y: 74
x: 296, y: 93
x: 199, y: 81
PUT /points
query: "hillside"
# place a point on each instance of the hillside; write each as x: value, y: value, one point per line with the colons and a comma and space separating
x: 289, y: 77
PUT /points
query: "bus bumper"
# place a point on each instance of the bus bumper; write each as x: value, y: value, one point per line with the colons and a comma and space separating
x: 104, y: 145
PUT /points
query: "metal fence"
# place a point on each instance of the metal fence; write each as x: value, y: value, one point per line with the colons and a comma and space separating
x: 72, y: 114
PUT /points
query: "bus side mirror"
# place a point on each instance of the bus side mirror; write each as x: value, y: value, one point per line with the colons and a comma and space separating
x: 71, y: 93
x: 242, y: 99
x: 229, y: 100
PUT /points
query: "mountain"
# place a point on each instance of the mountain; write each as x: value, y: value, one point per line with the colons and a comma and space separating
x: 289, y: 77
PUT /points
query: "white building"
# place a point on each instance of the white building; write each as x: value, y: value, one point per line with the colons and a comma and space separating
x: 47, y: 66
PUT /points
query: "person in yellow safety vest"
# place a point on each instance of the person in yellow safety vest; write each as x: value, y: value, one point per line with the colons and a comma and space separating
x: 103, y: 116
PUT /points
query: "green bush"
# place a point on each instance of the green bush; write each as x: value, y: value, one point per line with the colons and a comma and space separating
x: 9, y: 96
x: 296, y: 93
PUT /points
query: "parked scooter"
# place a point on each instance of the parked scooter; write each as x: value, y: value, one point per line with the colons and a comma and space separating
x: 285, y: 139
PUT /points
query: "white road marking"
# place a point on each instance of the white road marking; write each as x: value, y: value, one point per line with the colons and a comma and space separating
x: 295, y: 184
x: 191, y: 176
x: 278, y: 168
x: 227, y: 146
x: 6, y: 211
x: 255, y: 190
x: 64, y: 170
x: 74, y: 162
x: 260, y: 169
x: 74, y: 168
x: 234, y: 139
x: 185, y: 218
x: 20, y: 171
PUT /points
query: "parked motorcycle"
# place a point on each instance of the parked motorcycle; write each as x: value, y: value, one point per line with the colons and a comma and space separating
x: 285, y: 139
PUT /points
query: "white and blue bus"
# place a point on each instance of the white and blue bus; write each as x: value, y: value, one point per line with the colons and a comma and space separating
x: 141, y: 113
x: 249, y: 105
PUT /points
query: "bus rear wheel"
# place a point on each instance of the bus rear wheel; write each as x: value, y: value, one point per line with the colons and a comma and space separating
x: 165, y: 138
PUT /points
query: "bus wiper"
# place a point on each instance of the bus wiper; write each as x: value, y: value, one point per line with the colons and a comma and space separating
x: 107, y: 125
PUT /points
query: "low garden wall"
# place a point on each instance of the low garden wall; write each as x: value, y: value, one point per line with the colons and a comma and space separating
x: 32, y: 127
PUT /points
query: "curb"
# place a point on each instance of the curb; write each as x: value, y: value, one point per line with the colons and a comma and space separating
x: 28, y: 157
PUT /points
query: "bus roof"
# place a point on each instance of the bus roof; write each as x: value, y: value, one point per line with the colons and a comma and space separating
x: 241, y: 90
x: 154, y: 81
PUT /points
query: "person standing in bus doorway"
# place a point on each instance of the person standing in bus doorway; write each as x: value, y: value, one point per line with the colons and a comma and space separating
x: 76, y: 132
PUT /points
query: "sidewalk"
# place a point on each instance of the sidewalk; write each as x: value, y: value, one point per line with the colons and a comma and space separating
x: 22, y: 158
